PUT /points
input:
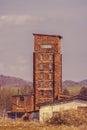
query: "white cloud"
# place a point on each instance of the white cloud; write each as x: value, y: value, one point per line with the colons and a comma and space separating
x: 18, y: 19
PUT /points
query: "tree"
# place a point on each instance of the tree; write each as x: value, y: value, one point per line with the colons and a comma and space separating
x: 66, y: 92
x: 83, y: 91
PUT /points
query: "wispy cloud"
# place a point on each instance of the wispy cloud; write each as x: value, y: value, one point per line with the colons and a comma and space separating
x: 18, y: 19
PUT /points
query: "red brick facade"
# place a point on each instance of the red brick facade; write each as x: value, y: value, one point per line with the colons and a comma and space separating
x: 22, y: 103
x: 47, y: 71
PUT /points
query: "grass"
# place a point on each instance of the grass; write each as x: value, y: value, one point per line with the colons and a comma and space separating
x: 77, y: 120
x: 13, y: 125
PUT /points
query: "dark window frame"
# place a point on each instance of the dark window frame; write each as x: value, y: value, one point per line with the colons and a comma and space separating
x: 50, y: 93
x: 21, y: 98
x: 41, y: 92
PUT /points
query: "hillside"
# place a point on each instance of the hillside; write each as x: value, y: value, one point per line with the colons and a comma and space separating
x: 70, y: 83
x: 13, y: 81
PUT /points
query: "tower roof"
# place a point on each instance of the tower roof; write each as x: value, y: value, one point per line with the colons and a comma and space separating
x: 48, y: 35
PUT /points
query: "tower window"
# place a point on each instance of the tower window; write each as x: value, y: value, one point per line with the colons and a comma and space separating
x: 41, y: 66
x: 51, y: 66
x: 41, y: 57
x: 50, y: 76
x: 41, y: 92
x: 41, y: 75
x: 41, y: 84
x: 51, y: 84
x: 22, y: 98
x: 46, y: 46
x: 50, y: 92
x: 51, y: 57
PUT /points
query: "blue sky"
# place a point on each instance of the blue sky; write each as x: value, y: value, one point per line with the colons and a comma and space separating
x: 20, y: 18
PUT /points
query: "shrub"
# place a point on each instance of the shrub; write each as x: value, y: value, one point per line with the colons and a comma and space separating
x: 70, y: 117
x: 83, y: 91
x: 66, y: 92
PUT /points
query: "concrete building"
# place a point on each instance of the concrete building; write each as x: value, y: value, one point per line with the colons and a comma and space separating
x: 47, y: 71
x: 47, y: 110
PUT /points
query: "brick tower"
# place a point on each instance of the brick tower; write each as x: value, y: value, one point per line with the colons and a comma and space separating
x: 47, y: 71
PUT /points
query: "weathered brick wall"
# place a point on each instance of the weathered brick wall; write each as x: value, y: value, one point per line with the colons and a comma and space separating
x: 23, y: 106
x: 53, y: 74
x: 55, y: 41
x: 45, y: 79
x: 57, y: 74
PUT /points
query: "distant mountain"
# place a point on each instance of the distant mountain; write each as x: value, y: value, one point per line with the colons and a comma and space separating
x: 18, y: 82
x: 70, y: 83
x: 83, y: 82
x: 13, y: 81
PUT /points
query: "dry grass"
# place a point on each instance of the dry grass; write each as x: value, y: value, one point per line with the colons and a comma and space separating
x: 70, y: 120
x: 19, y: 125
x: 69, y: 117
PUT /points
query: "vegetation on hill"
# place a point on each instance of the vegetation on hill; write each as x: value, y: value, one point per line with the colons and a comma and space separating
x: 76, y: 90
x: 73, y: 90
x: 70, y: 83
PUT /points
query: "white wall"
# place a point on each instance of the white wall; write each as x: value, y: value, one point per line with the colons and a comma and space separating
x: 47, y: 111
